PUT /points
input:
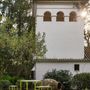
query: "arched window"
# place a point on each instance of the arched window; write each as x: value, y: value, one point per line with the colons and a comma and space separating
x: 73, y: 17
x: 60, y: 16
x: 47, y: 16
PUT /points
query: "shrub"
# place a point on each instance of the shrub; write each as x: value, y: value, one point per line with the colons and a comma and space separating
x: 62, y: 76
x: 4, y: 84
x: 12, y: 79
x: 81, y: 81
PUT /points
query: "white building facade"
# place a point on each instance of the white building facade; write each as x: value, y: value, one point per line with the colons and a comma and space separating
x: 64, y: 28
x: 74, y: 66
x: 64, y: 39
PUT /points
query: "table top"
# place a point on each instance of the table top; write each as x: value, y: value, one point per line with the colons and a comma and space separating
x: 13, y: 86
x: 30, y: 80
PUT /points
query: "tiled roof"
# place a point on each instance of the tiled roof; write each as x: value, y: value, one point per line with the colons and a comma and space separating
x: 83, y: 2
x: 62, y: 0
x: 62, y: 60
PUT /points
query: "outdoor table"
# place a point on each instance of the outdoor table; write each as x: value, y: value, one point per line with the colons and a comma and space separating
x: 13, y: 87
x: 44, y: 87
x: 27, y: 81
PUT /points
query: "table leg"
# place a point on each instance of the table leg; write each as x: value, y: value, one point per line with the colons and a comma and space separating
x: 12, y: 88
x: 47, y: 88
x: 41, y: 85
x: 17, y: 88
x: 34, y: 85
x: 26, y: 85
x: 20, y: 85
x: 9, y: 87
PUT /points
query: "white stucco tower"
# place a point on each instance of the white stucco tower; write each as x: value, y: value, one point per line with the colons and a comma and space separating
x: 61, y: 21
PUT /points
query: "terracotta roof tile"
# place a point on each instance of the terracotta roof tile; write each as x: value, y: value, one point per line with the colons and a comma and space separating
x: 62, y: 0
x: 73, y: 1
x: 62, y: 60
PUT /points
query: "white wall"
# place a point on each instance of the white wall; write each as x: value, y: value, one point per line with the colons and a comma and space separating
x: 63, y: 39
x: 42, y: 68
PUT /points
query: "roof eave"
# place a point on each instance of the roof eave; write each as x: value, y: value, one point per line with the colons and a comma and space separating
x: 62, y: 60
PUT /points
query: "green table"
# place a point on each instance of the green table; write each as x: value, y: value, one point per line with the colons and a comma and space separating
x: 13, y: 87
x: 27, y: 81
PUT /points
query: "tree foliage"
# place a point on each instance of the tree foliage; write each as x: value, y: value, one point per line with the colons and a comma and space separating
x: 87, y: 42
x: 4, y: 84
x: 62, y: 76
x: 19, y: 44
x: 87, y: 47
x: 81, y: 81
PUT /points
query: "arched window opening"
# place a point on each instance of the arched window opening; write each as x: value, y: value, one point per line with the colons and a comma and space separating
x: 60, y: 16
x: 73, y: 17
x: 47, y: 16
